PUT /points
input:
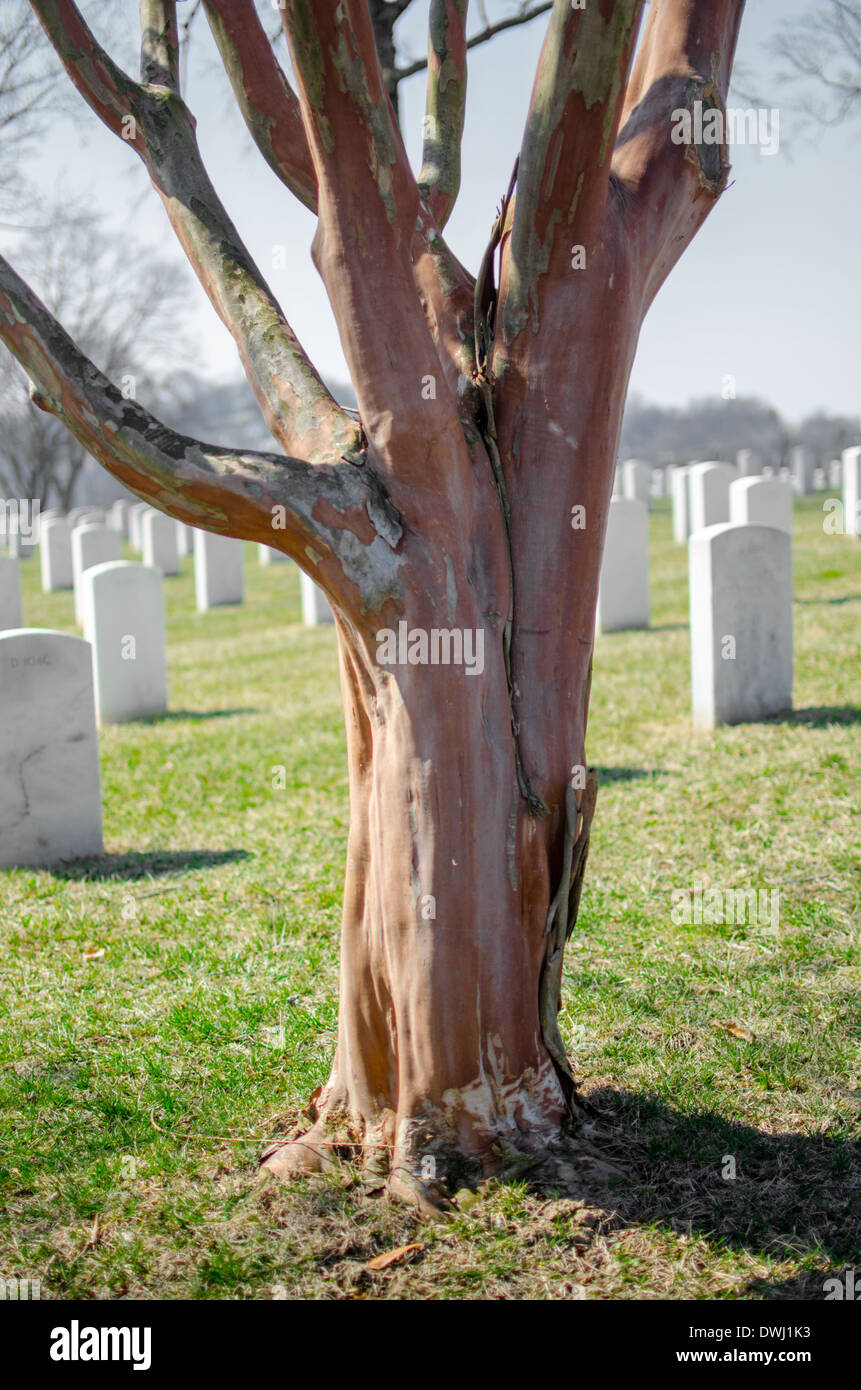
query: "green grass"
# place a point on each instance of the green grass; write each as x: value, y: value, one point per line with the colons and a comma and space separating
x: 170, y: 1007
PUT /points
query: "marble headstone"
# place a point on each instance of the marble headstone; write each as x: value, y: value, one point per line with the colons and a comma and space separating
x: 802, y: 463
x: 749, y: 463
x: 50, y: 799
x: 136, y: 515
x: 681, y: 495
x: 55, y: 554
x: 118, y: 517
x: 92, y: 545
x: 268, y: 556
x: 709, y: 493
x: 123, y: 610
x: 636, y: 480
x: 10, y: 595
x: 315, y: 606
x: 852, y: 491
x: 623, y: 590
x: 158, y: 533
x: 741, y: 623
x: 219, y: 577
x: 761, y: 502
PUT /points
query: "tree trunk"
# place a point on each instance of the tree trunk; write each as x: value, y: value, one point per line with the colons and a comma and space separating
x: 450, y: 956
x: 469, y: 498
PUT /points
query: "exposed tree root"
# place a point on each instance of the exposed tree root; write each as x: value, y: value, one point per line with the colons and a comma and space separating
x: 571, y: 1163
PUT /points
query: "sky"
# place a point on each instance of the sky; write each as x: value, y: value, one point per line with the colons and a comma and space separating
x: 769, y: 293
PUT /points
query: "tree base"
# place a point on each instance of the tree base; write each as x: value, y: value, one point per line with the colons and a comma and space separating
x: 569, y: 1161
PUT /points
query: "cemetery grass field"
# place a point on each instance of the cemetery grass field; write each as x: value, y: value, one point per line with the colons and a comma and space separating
x: 169, y: 1008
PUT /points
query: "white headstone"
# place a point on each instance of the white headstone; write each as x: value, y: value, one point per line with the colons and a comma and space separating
x: 184, y: 539
x: 749, y: 463
x: 268, y: 556
x: 852, y: 491
x: 709, y: 494
x: 741, y: 623
x: 218, y: 574
x: 835, y: 473
x: 55, y: 554
x: 636, y: 480
x: 315, y: 605
x: 136, y: 515
x: 680, y: 492
x: 623, y: 590
x: 93, y: 517
x: 123, y: 608
x: 118, y: 517
x: 761, y: 502
x: 10, y: 595
x: 92, y: 545
x: 802, y: 462
x: 159, y: 542
x: 50, y: 801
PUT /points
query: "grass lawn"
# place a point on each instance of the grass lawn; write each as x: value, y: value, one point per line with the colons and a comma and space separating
x: 168, y: 1008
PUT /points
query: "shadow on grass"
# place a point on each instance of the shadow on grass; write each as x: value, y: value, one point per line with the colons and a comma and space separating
x: 196, y: 714
x: 819, y: 716
x: 792, y: 1194
x: 626, y: 774
x: 143, y: 864
x: 844, y: 598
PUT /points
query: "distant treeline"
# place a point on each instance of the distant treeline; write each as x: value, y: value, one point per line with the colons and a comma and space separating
x: 710, y: 429
x: 227, y: 413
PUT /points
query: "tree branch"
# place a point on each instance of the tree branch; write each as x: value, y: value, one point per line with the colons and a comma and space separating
x: 368, y: 207
x: 488, y: 32
x: 273, y: 116
x: 439, y: 179
x: 298, y: 408
x: 565, y: 156
x: 336, y: 518
x: 685, y: 58
x: 268, y: 103
x: 159, y: 44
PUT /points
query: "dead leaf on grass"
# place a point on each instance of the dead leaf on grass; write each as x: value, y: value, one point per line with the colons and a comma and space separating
x: 735, y: 1030
x: 391, y: 1257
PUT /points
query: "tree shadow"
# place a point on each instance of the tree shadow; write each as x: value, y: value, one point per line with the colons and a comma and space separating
x: 145, y: 864
x: 667, y: 627
x: 195, y: 714
x: 626, y: 774
x: 818, y: 716
x: 844, y: 598
x: 792, y: 1194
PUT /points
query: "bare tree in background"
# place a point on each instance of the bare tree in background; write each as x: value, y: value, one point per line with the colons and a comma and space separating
x: 464, y: 503
x: 125, y: 309
x: 26, y: 76
x: 820, y: 54
x: 814, y: 62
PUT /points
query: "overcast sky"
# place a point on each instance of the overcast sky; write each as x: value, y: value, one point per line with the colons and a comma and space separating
x: 769, y: 292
